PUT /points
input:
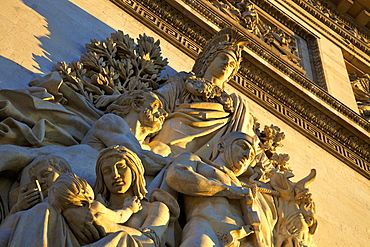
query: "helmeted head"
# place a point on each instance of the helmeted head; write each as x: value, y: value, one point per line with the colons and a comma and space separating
x: 46, y: 169
x: 117, y: 170
x: 237, y: 150
x: 226, y: 44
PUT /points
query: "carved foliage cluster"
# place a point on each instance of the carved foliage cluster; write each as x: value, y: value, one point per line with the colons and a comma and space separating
x: 114, y: 66
x: 271, y: 138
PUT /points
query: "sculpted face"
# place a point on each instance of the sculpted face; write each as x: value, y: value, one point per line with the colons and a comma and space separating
x: 241, y: 154
x: 221, y: 67
x: 117, y: 175
x: 46, y: 175
x: 152, y: 114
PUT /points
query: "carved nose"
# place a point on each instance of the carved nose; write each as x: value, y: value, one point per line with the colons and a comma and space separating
x: 115, y: 173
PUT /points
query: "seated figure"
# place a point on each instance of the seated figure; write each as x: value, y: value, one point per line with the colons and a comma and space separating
x: 219, y: 210
x: 120, y: 178
x: 71, y: 216
x: 200, y: 110
x: 70, y: 191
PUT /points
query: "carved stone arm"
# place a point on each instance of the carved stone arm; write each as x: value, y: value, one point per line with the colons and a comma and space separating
x: 157, y: 218
x: 183, y: 176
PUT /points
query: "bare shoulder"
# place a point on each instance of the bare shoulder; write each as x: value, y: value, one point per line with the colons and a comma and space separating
x: 154, y: 205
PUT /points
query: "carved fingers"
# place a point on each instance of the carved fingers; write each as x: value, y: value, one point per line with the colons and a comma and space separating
x: 27, y: 198
x: 134, y: 204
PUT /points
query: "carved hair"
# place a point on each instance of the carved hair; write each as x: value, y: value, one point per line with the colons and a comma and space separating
x: 55, y: 161
x: 226, y: 41
x: 132, y: 161
x: 123, y: 104
x: 69, y: 190
x: 227, y: 140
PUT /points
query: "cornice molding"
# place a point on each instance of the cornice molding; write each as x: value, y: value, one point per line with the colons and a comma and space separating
x: 345, y: 34
x: 301, y: 115
x: 312, y: 122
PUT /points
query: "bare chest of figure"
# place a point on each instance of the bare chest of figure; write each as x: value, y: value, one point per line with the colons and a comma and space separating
x: 217, y: 209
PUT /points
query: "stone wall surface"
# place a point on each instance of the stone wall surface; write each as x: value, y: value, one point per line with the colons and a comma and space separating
x: 336, y: 74
x: 35, y: 35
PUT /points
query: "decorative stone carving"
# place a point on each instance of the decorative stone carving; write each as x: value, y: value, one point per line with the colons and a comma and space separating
x: 245, y: 13
x: 361, y: 89
x: 350, y: 35
x: 216, y: 166
x: 271, y: 138
x: 221, y: 211
x: 173, y: 25
x: 299, y: 223
x: 200, y: 111
x: 339, y: 20
x: 333, y: 137
x: 114, y: 66
x: 120, y: 176
x: 214, y: 198
x: 129, y: 120
x: 45, y: 169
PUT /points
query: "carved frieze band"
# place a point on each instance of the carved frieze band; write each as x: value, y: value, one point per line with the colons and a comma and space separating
x: 348, y: 148
x: 284, y: 19
x: 182, y: 35
x: 351, y: 36
x: 307, y: 119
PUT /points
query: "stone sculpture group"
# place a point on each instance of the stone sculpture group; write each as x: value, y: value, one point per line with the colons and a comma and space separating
x: 159, y: 162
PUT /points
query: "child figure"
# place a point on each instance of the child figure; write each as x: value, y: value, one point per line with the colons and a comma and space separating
x: 71, y: 191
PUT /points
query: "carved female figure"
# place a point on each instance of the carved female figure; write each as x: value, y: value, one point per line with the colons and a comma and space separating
x: 120, y: 178
x: 200, y: 110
